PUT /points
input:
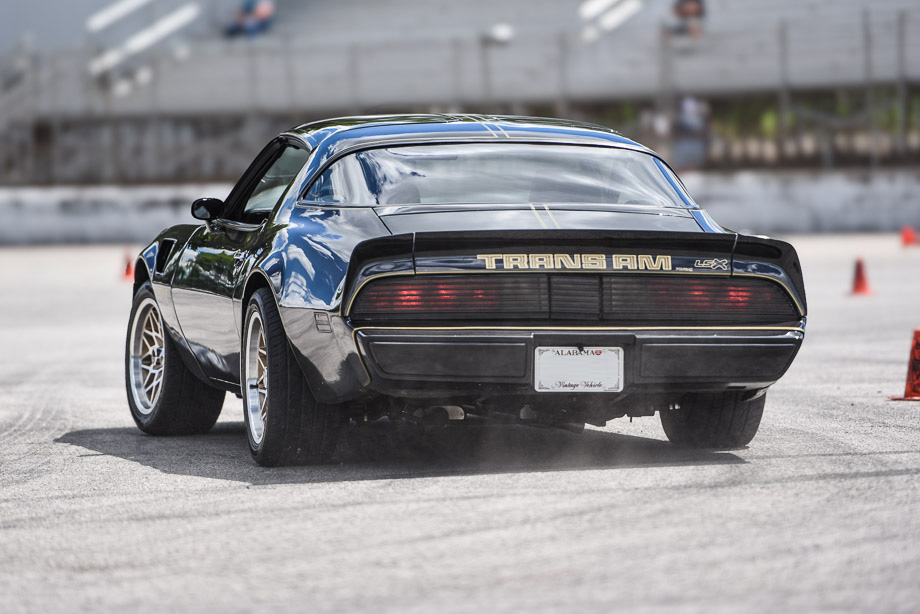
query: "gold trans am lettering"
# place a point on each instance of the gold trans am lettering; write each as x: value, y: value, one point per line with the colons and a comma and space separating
x: 515, y: 261
x: 593, y: 261
x: 541, y: 261
x: 616, y: 262
x: 624, y: 262
x: 566, y: 261
x: 654, y: 263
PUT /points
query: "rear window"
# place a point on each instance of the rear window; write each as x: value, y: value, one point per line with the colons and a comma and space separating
x: 490, y: 173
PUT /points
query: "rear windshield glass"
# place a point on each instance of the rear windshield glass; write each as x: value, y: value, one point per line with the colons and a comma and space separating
x: 504, y: 173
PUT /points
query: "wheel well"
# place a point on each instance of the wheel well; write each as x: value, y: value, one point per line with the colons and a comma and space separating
x: 141, y: 275
x: 254, y: 283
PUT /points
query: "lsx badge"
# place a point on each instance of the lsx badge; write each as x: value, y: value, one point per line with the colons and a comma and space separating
x: 716, y: 264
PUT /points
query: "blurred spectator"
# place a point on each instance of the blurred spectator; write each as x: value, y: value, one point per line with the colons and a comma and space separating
x: 654, y: 128
x: 691, y: 118
x: 661, y: 125
x: 690, y: 133
x: 253, y: 18
x: 690, y: 15
x: 12, y: 73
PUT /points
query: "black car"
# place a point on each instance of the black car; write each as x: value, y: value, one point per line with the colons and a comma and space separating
x: 437, y: 268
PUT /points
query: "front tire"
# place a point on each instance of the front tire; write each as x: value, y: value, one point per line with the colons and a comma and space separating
x: 285, y: 425
x: 722, y: 421
x: 165, y: 397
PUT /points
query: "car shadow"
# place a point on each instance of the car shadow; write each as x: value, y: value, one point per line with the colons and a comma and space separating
x: 387, y: 451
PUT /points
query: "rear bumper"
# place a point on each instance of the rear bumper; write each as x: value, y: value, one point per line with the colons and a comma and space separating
x: 431, y: 362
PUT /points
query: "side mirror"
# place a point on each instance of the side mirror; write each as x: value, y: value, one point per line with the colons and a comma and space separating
x: 207, y: 209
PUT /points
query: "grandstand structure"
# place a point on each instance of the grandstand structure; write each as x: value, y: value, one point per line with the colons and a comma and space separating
x: 830, y: 81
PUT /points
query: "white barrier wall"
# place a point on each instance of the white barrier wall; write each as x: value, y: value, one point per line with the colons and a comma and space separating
x: 759, y: 202
x: 106, y: 214
x: 764, y: 202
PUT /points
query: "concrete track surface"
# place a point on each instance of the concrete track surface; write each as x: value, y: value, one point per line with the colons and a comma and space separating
x: 821, y: 512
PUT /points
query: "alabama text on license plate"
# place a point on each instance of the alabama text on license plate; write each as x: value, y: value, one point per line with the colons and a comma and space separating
x: 572, y: 369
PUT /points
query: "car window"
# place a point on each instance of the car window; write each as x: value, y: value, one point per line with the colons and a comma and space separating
x: 496, y: 174
x: 273, y: 184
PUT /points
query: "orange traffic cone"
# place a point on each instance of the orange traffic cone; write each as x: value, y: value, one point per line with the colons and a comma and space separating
x: 860, y: 281
x: 129, y: 268
x: 912, y: 388
x: 909, y: 237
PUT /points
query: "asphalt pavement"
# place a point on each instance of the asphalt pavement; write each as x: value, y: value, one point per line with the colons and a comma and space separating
x: 820, y: 513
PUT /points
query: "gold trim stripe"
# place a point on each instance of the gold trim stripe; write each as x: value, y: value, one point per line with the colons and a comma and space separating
x: 551, y: 216
x: 536, y: 215
x: 798, y: 329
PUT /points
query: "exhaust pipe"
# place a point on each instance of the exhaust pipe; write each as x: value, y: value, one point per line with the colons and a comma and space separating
x: 439, y: 415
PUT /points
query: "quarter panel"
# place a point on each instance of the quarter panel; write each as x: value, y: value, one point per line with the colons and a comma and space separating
x: 174, y: 238
x: 306, y: 261
x: 310, y: 253
x: 161, y: 269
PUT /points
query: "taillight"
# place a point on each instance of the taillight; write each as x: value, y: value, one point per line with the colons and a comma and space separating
x: 674, y: 298
x: 418, y: 295
x: 621, y: 299
x: 474, y: 296
x: 739, y: 297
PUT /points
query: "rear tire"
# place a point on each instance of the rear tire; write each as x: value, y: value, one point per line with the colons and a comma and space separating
x: 165, y: 397
x: 714, y: 420
x: 285, y: 425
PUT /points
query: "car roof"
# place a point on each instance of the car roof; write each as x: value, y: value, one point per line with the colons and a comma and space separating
x: 333, y: 136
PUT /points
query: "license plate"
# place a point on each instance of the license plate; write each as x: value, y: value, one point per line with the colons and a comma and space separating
x: 570, y: 369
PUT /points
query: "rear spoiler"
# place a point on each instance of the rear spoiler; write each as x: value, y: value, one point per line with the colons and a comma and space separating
x: 691, y: 252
